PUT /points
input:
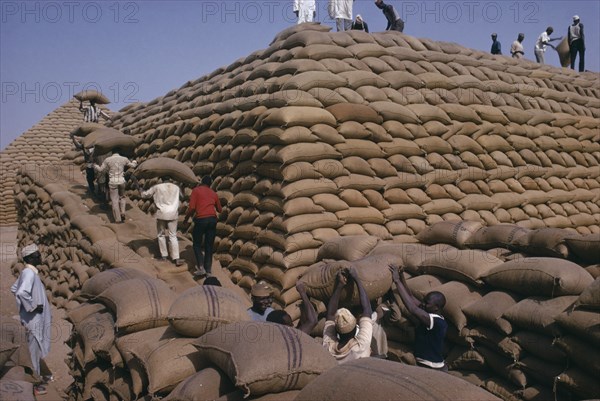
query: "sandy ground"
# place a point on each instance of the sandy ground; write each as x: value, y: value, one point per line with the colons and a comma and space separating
x: 61, y: 329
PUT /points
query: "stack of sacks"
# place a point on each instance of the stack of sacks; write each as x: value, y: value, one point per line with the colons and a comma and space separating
x: 354, y: 381
x: 137, y: 338
x: 512, y: 327
x: 44, y: 144
x: 74, y: 244
x: 127, y: 309
x: 14, y: 352
x: 334, y: 134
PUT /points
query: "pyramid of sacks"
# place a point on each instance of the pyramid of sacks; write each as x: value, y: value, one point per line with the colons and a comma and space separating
x: 325, y: 134
x: 45, y: 144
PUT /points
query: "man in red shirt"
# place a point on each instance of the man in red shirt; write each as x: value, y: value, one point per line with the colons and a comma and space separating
x: 204, y: 205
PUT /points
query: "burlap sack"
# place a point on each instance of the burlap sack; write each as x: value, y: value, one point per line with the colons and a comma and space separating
x: 498, y: 236
x: 458, y: 296
x: 582, y: 353
x: 585, y: 247
x: 583, y: 324
x: 208, y: 384
x: 170, y: 362
x: 7, y: 348
x: 81, y: 312
x: 353, y: 381
x: 16, y: 390
x: 165, y: 167
x: 540, y: 276
x: 539, y: 314
x: 13, y: 332
x: 201, y: 309
x: 495, y: 341
x: 139, y: 304
x: 91, y: 95
x: 141, y: 343
x: 540, y: 346
x: 97, y: 335
x: 463, y: 358
x: 489, y: 310
x: 564, y: 52
x: 236, y: 347
x: 354, y: 112
x: 544, y: 242
x: 468, y: 265
x: 580, y: 383
x: 539, y: 370
x: 104, y: 280
x: 411, y: 255
x: 590, y: 297
x: 347, y: 248
x: 503, y: 366
x: 300, y: 115
x: 373, y: 272
x: 124, y: 145
x: 456, y: 234
x: 86, y: 128
x: 306, y: 222
x: 422, y: 284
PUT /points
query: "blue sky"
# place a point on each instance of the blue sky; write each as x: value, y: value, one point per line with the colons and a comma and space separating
x: 139, y: 50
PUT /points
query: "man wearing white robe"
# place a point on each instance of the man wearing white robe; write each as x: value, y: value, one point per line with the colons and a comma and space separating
x: 305, y: 10
x: 34, y: 309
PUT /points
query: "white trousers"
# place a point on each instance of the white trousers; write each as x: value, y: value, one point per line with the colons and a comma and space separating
x: 170, y: 226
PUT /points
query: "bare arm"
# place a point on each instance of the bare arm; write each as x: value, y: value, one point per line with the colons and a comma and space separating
x: 308, y: 314
x: 367, y: 311
x: 102, y: 167
x: 332, y: 306
x: 411, y: 303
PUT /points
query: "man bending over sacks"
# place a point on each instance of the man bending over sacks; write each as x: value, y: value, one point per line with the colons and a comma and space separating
x: 341, y: 336
x: 430, y: 325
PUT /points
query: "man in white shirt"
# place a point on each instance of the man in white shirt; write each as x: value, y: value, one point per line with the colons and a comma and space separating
x: 341, y: 12
x: 305, y: 10
x: 115, y: 166
x: 341, y: 336
x: 542, y: 42
x: 166, y: 197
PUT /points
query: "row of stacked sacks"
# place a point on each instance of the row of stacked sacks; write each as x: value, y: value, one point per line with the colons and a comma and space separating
x: 326, y: 134
x: 137, y: 339
x: 75, y: 245
x: 8, y: 213
x: 43, y: 144
x: 522, y: 305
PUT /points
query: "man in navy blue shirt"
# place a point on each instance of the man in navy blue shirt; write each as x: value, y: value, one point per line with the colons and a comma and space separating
x: 496, y: 47
x: 430, y: 328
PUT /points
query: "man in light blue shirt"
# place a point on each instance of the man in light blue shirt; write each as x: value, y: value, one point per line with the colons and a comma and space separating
x: 34, y: 309
x: 262, y: 299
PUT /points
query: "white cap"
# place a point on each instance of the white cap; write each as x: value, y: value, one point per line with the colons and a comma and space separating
x: 29, y: 250
x: 575, y: 17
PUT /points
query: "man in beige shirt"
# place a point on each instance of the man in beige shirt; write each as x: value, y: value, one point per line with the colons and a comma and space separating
x: 115, y: 166
x: 341, y: 336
